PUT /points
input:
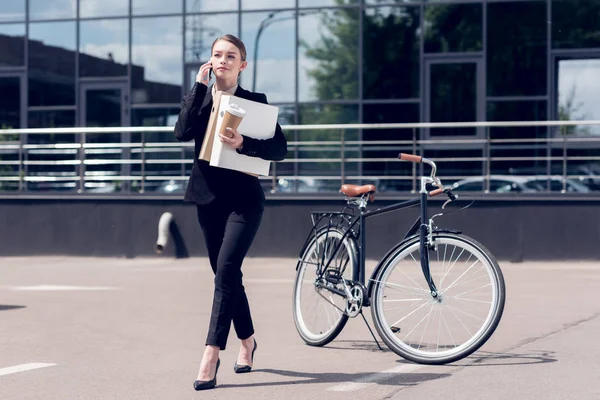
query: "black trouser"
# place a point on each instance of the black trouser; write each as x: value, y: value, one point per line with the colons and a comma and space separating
x: 228, y: 232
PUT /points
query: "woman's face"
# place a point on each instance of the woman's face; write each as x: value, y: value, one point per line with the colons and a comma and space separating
x: 226, y: 60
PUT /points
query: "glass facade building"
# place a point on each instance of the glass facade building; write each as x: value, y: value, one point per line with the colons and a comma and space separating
x: 66, y: 63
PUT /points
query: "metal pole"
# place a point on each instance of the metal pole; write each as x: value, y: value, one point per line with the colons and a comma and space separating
x: 414, y: 165
x: 564, y: 180
x: 21, y: 177
x: 343, y: 157
x: 143, y: 167
x: 487, y: 162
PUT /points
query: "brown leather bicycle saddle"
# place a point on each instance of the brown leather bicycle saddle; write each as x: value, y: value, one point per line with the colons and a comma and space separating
x: 355, y: 190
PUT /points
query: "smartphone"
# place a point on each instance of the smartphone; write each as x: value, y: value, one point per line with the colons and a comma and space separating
x: 210, y: 72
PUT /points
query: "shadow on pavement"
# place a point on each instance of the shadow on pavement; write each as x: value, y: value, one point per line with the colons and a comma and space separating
x: 7, y: 307
x: 500, y: 359
x: 387, y: 378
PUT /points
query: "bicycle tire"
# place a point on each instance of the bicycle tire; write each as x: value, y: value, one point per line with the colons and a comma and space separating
x: 311, y: 249
x: 410, y: 350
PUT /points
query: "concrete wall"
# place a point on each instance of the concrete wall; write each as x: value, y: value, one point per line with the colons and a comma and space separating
x: 512, y: 229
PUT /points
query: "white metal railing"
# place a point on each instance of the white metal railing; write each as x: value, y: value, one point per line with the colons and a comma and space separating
x: 138, y: 166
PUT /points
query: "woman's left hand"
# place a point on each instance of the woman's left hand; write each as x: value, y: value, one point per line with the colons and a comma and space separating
x: 235, y: 141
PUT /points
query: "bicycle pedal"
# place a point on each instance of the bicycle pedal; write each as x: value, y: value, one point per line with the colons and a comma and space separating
x: 395, y: 329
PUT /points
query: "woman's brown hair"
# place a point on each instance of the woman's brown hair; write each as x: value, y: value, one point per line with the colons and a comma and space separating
x: 233, y: 40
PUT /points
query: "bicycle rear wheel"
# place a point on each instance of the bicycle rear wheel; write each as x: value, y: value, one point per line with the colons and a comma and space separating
x: 440, y: 330
x: 318, y: 312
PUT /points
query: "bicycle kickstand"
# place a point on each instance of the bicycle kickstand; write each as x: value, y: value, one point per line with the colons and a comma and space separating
x: 368, y: 326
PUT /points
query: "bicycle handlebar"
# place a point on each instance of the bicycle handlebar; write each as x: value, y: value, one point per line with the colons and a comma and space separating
x: 418, y: 159
x: 410, y: 157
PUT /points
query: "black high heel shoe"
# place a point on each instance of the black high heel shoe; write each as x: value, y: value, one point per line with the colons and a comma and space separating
x: 240, y: 369
x: 203, y: 385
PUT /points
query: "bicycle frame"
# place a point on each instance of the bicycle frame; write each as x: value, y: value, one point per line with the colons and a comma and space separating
x: 420, y: 226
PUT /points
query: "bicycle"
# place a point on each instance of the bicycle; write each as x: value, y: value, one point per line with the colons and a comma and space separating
x: 413, y: 303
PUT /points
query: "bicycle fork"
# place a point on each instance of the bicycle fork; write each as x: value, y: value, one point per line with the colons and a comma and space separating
x: 426, y: 241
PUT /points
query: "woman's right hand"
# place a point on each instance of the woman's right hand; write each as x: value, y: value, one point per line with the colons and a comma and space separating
x: 202, y: 76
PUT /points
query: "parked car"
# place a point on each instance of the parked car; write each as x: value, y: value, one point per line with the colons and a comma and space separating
x: 556, y: 185
x: 498, y: 184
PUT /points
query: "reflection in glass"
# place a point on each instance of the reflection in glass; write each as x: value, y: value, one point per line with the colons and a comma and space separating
x: 578, y: 94
x: 453, y: 97
x: 12, y: 45
x: 328, y: 65
x: 386, y: 114
x: 325, y: 114
x: 10, y: 103
x: 270, y: 37
x: 12, y: 10
x: 54, y: 9
x: 145, y: 7
x: 156, y: 117
x: 398, y: 75
x: 104, y: 48
x: 103, y: 108
x: 192, y: 6
x: 52, y: 63
x: 103, y: 8
x: 517, y: 48
x: 202, y: 30
x: 52, y: 119
x: 324, y: 3
x: 266, y: 4
x: 456, y: 27
x: 157, y: 65
x: 575, y: 24
x: 517, y: 111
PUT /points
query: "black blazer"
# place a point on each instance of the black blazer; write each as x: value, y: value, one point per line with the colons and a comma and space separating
x: 207, y: 183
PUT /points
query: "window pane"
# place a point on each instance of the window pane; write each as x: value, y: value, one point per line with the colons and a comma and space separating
x: 321, y: 3
x: 273, y: 70
x: 10, y: 103
x: 211, y: 5
x: 104, y: 48
x: 517, y: 111
x: 265, y: 4
x: 202, y: 30
x: 157, y: 70
x: 51, y: 119
x: 52, y: 63
x: 451, y: 28
x: 142, y: 7
x: 397, y: 171
x: 12, y: 10
x: 453, y: 97
x: 12, y: 45
x: 155, y: 117
x: 53, y: 9
x: 103, y: 8
x: 517, y: 48
x: 575, y: 24
x: 322, y: 114
x: 329, y: 55
x: 391, y: 33
x: 578, y: 93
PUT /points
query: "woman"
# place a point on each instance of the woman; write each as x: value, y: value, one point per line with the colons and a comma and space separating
x: 229, y: 204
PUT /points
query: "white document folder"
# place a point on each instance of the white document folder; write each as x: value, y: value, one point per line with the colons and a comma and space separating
x: 258, y: 123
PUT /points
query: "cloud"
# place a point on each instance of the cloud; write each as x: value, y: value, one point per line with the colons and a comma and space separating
x: 101, y: 8
x: 44, y: 9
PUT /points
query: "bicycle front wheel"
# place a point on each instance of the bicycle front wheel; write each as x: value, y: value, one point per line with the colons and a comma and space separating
x: 319, y: 313
x: 446, y: 328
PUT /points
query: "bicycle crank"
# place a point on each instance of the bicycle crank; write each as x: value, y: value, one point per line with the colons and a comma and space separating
x: 355, y: 302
